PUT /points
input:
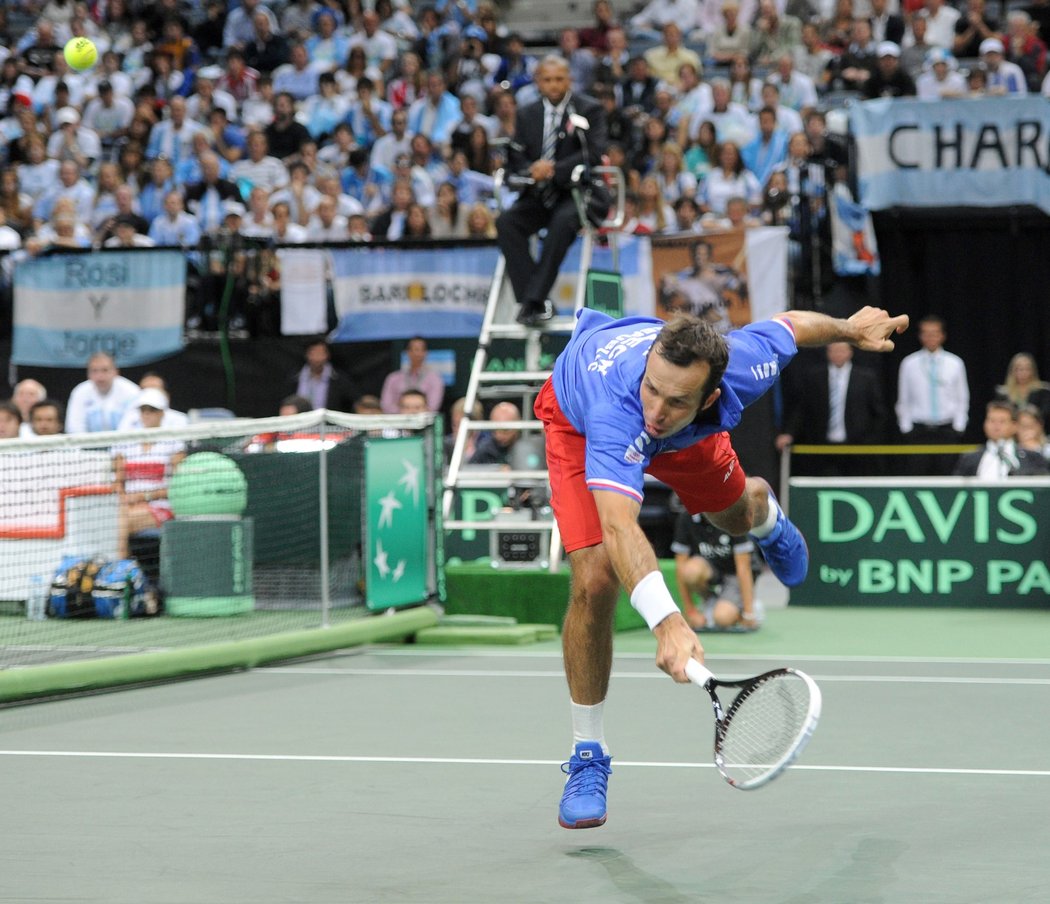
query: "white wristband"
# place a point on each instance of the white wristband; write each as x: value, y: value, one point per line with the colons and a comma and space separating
x: 652, y: 599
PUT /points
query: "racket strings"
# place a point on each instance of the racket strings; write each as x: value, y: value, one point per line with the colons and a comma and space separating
x: 764, y: 727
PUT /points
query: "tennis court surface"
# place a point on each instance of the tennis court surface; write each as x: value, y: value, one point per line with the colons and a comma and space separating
x: 412, y: 774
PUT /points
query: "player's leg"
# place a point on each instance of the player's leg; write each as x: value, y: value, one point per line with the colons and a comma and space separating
x: 587, y: 633
x: 708, y: 478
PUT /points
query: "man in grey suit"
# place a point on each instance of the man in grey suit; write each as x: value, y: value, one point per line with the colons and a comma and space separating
x: 552, y: 137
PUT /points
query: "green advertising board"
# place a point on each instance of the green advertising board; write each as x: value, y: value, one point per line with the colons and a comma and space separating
x: 924, y: 542
x: 397, y: 525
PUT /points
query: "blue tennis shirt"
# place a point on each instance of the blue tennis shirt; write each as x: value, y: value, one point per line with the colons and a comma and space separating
x: 598, y: 378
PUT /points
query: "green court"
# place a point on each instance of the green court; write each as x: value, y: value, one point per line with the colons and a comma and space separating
x: 406, y: 773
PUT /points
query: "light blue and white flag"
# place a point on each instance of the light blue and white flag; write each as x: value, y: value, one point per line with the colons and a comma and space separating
x: 130, y: 304
x: 989, y: 152
x: 387, y: 293
x: 854, y: 251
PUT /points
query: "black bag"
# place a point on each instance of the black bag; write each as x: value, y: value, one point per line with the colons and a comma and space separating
x: 597, y: 201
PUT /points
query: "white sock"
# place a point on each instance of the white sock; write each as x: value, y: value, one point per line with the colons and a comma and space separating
x: 588, y: 724
x: 766, y: 527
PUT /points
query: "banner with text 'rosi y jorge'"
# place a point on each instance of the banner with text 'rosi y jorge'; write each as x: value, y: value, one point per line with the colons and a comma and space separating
x: 396, y: 522
x: 988, y: 152
x: 949, y: 542
x: 130, y: 304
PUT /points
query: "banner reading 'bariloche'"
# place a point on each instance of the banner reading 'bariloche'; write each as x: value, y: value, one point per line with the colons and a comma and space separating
x: 987, y: 152
x: 130, y: 304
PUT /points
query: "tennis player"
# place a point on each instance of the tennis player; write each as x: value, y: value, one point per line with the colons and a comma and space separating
x: 635, y: 396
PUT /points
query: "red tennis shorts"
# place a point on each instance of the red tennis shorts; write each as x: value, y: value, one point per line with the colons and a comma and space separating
x: 707, y: 476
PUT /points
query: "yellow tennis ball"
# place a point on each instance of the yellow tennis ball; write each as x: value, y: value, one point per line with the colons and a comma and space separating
x: 80, y: 53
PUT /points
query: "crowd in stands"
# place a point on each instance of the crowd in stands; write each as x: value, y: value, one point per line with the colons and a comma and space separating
x: 306, y: 121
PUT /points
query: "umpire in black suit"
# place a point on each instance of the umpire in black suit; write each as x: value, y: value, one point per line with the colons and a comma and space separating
x: 575, y: 125
x: 837, y: 404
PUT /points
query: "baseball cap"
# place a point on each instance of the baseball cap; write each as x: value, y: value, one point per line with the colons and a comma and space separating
x: 67, y: 115
x: 888, y: 48
x: 233, y: 208
x: 475, y: 31
x: 991, y: 45
x: 152, y: 398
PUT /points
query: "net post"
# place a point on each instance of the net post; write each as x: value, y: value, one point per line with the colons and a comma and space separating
x: 322, y: 513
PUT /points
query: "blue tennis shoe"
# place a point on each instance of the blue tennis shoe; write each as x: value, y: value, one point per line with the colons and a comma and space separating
x: 583, y: 800
x: 785, y: 551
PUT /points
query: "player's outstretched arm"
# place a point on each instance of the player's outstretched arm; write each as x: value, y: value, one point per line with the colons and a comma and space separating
x: 869, y: 328
x: 638, y: 570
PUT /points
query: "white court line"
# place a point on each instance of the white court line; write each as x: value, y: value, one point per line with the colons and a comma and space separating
x: 642, y: 676
x: 480, y: 761
x: 503, y: 653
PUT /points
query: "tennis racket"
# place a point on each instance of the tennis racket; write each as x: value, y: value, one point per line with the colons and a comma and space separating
x: 766, y: 726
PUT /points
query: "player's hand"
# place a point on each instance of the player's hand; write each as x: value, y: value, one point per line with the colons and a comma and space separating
x: 873, y: 328
x: 676, y: 644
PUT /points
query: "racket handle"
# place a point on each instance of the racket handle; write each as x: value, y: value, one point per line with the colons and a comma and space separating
x: 698, y: 673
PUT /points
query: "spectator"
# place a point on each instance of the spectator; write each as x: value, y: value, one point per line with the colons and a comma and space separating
x: 773, y: 34
x: 1025, y: 48
x: 409, y: 84
x: 1022, y: 385
x: 132, y: 419
x: 412, y: 401
x: 1000, y: 457
x: 297, y: 78
x: 142, y: 471
x: 326, y: 224
x: 238, y: 79
x: 370, y: 116
x: 787, y: 119
x: 285, y: 136
x: 744, y: 86
x: 292, y: 405
x: 46, y: 418
x: 666, y: 58
x: 322, y: 384
x: 658, y: 13
x: 675, y: 180
x: 797, y: 90
x: 100, y: 401
x: 687, y: 215
x: 108, y: 116
x: 916, y: 48
x: 417, y: 223
x: 299, y: 16
x: 768, y: 150
x: 258, y: 224
x: 125, y: 234
x: 16, y: 204
x: 26, y: 394
x: 933, y: 396
x: 397, y: 141
x: 10, y: 420
x: 208, y: 97
x: 637, y: 89
x: 837, y: 403
x: 812, y: 56
x: 323, y: 112
x: 204, y: 199
x: 175, y: 227
x: 716, y: 570
x: 730, y: 37
x: 416, y: 376
x: 1031, y: 431
x: 64, y: 230
x: 285, y: 231
x: 239, y: 29
x: 267, y: 49
x: 391, y: 223
x: 436, y: 114
x: 126, y: 209
x: 326, y: 48
x: 380, y: 48
x: 1002, y: 76
x: 481, y: 224
x: 731, y: 120
x: 653, y: 212
x: 855, y: 66
x: 940, y: 78
x: 493, y: 446
x: 301, y: 197
x: 153, y: 193
x: 612, y: 67
x: 449, y: 218
x: 729, y: 178
x: 971, y: 28
x: 260, y: 168
x: 889, y: 79
x: 940, y: 23
x: 595, y: 37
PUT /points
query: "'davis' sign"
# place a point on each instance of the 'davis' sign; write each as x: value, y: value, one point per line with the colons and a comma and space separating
x: 955, y: 543
x: 987, y: 152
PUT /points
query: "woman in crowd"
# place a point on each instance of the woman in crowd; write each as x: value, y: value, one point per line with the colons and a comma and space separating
x: 1023, y: 386
x: 449, y: 217
x: 654, y: 213
x: 700, y: 156
x: 729, y: 179
x: 675, y: 180
x: 480, y: 222
x: 1031, y: 431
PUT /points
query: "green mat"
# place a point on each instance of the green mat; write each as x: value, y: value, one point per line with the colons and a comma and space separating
x: 501, y: 635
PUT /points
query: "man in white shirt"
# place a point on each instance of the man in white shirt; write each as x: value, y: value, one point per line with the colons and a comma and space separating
x: 940, y: 24
x: 933, y: 397
x: 26, y: 394
x: 326, y: 225
x: 100, y: 401
x: 658, y: 13
x: 1000, y: 457
x: 1003, y: 77
x: 260, y: 168
x: 397, y: 141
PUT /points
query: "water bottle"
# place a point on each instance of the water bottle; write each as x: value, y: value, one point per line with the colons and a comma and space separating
x: 36, y: 605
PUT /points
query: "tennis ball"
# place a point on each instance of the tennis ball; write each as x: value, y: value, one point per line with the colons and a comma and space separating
x: 80, y: 53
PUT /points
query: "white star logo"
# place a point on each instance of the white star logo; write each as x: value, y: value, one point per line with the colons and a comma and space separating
x: 389, y: 503
x: 380, y: 561
x: 410, y: 480
x: 399, y: 570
